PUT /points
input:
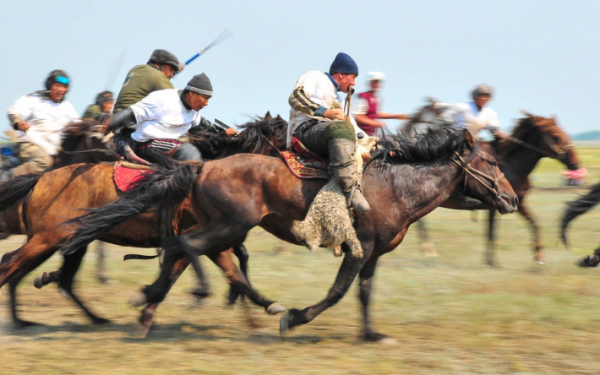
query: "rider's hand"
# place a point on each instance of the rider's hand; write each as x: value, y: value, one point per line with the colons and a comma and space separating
x: 230, y: 132
x: 334, y: 114
x: 366, y: 156
x: 403, y: 117
x: 23, y: 126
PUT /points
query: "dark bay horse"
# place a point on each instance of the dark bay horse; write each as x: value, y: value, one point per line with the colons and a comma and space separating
x: 579, y: 207
x: 533, y: 138
x: 37, y: 204
x: 233, y: 195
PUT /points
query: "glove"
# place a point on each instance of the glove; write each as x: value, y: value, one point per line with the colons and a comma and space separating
x: 123, y: 119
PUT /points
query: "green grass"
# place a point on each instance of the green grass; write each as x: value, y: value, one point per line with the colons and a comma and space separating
x: 450, y: 315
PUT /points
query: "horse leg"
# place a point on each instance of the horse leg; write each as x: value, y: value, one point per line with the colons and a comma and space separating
x: 427, y: 247
x: 101, y: 270
x: 347, y: 273
x: 242, y: 254
x: 14, y: 282
x: 490, y: 246
x: 524, y: 211
x: 46, y: 278
x: 214, y: 238
x: 35, y: 251
x: 147, y: 316
x: 203, y: 291
x: 364, y: 294
x: 71, y: 265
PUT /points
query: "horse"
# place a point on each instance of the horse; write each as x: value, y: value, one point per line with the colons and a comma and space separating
x: 232, y: 195
x: 533, y: 138
x: 574, y: 209
x: 37, y: 204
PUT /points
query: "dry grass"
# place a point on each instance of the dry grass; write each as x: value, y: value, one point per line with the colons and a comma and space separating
x: 450, y: 315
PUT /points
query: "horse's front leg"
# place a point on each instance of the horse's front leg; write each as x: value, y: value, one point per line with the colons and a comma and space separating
x: 537, y: 243
x: 347, y: 273
x: 365, y: 284
x: 490, y: 248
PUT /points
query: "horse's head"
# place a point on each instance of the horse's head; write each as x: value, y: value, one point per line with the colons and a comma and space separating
x: 548, y: 138
x: 483, y: 179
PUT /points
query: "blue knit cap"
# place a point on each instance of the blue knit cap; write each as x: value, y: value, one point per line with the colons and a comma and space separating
x: 343, y: 64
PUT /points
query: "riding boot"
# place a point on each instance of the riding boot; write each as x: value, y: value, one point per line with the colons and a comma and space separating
x: 342, y: 167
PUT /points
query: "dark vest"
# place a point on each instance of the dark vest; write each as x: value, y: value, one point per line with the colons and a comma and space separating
x: 371, y: 112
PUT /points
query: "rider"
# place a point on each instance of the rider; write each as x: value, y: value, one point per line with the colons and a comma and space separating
x: 475, y: 115
x: 101, y: 108
x: 164, y: 116
x: 367, y: 110
x: 40, y: 119
x: 317, y: 120
x: 140, y: 82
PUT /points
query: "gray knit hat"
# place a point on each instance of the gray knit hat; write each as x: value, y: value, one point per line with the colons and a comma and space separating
x: 200, y: 84
x: 161, y: 56
x: 482, y: 90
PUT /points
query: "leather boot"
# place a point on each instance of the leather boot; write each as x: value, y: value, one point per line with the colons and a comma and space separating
x: 342, y: 167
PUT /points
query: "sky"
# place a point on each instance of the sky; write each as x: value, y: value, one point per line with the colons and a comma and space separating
x: 540, y: 56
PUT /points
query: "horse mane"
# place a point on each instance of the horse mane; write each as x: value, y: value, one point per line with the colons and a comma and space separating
x: 432, y: 145
x: 250, y: 139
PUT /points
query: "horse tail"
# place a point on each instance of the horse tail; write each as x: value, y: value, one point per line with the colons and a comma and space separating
x: 161, y: 188
x: 579, y: 207
x: 16, y: 189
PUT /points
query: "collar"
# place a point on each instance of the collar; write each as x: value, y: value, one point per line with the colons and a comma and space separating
x: 335, y: 84
x: 187, y: 106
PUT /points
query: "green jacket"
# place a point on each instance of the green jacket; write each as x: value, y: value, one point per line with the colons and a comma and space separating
x: 141, y: 81
x: 91, y: 111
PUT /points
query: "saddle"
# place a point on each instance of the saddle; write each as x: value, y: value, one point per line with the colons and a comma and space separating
x: 304, y: 163
x: 127, y: 174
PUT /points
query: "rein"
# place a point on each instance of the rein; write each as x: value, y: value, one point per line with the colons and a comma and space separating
x: 474, y: 173
x: 549, y: 142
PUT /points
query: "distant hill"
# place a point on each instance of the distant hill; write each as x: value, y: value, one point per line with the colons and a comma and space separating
x: 593, y: 135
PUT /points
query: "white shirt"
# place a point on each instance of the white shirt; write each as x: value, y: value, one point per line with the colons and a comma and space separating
x: 319, y: 88
x: 46, y: 120
x: 466, y: 115
x: 162, y: 115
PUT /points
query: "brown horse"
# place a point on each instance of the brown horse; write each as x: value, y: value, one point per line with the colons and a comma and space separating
x: 233, y: 195
x: 532, y: 139
x: 37, y: 204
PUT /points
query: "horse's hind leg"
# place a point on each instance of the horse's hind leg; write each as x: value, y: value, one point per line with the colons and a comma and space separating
x: 427, y: 247
x: 71, y: 265
x: 35, y: 251
x: 203, y: 290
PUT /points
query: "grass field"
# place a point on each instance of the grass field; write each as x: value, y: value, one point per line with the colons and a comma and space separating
x: 449, y: 315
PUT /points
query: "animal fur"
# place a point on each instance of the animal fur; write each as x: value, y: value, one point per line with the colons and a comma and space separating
x: 329, y: 221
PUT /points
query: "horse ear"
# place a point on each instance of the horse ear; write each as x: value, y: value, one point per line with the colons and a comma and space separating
x: 278, y: 118
x: 469, y: 138
x: 268, y: 116
x: 527, y: 114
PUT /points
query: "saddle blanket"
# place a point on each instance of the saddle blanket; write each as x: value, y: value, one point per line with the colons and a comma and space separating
x: 303, y: 163
x: 126, y: 177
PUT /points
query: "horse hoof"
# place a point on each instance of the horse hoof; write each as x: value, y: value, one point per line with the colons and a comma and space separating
x: 19, y: 324
x: 97, y: 320
x: 200, y: 293
x: 275, y: 309
x: 64, y: 293
x: 38, y: 282
x: 540, y: 262
x: 138, y: 299
x: 388, y: 341
x: 284, y: 323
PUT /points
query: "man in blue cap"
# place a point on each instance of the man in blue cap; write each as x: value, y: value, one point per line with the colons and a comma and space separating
x: 318, y: 121
x: 39, y: 120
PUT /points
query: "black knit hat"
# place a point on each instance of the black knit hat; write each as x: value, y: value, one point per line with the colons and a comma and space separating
x: 104, y: 96
x: 161, y: 56
x: 57, y: 76
x: 343, y: 64
x: 200, y: 84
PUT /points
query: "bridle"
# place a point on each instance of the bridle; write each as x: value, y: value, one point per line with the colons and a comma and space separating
x: 558, y: 152
x: 489, y: 182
